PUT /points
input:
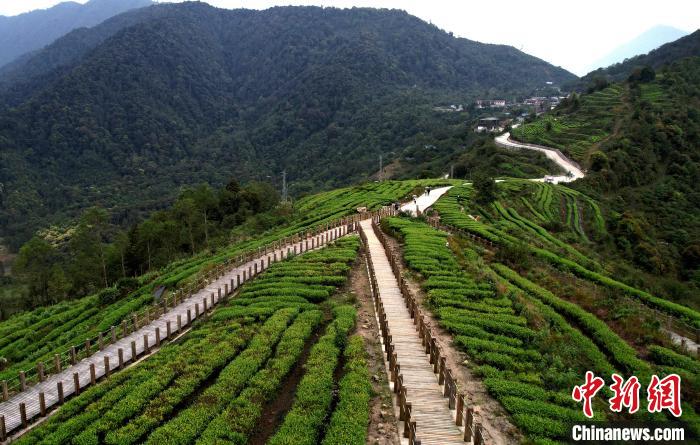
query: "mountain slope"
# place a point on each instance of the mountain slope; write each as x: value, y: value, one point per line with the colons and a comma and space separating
x: 200, y: 93
x: 640, y: 141
x: 642, y: 44
x: 33, y: 30
x: 688, y: 46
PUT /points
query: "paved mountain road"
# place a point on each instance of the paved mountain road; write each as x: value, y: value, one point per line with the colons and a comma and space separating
x: 555, y: 155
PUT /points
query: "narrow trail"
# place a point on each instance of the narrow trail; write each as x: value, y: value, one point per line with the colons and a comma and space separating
x: 148, y: 337
x: 435, y: 422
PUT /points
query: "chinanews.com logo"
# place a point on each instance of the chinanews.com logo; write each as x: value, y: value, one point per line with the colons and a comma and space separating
x: 663, y: 395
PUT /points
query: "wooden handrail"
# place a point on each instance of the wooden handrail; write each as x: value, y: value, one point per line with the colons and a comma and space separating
x: 456, y: 400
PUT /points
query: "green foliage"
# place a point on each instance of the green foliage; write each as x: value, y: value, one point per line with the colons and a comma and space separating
x: 348, y: 424
x: 529, y: 371
x: 576, y: 124
x: 314, y: 394
x: 485, y: 189
x: 239, y: 419
x: 450, y: 213
x: 665, y: 356
x: 123, y: 127
x: 230, y: 363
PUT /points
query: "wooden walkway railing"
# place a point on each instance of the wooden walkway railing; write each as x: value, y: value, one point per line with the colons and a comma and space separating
x: 112, y: 350
x: 464, y: 415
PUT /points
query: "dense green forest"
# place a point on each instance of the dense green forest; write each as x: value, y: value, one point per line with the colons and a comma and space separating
x: 198, y: 94
x: 93, y: 254
x: 640, y: 141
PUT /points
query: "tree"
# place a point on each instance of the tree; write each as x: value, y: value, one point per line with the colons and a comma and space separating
x: 485, y: 188
x: 186, y: 210
x: 148, y: 234
x: 599, y: 161
x: 205, y: 201
x: 121, y: 245
x: 33, y: 266
x: 59, y: 285
x: 88, y: 249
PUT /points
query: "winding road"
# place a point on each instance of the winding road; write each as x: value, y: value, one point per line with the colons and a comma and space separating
x: 573, y: 170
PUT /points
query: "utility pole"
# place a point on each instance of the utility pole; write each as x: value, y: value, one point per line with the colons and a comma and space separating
x: 284, y: 185
x: 381, y: 168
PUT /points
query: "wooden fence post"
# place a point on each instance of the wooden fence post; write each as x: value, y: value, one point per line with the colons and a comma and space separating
x: 59, y: 390
x: 468, y: 433
x: 460, y: 409
x: 76, y: 383
x: 23, y: 414
x: 478, y: 438
x: 42, y: 404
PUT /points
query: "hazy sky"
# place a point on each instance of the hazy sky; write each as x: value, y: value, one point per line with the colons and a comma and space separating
x: 571, y: 34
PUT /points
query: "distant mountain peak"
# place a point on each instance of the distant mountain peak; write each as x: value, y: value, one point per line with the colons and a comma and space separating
x: 648, y: 40
x: 34, y: 30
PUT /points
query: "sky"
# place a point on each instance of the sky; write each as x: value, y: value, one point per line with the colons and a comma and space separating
x: 571, y: 34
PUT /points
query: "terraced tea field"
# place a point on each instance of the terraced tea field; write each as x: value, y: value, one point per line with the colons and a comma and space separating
x: 574, y: 134
x: 215, y: 382
x: 527, y: 305
x: 529, y: 345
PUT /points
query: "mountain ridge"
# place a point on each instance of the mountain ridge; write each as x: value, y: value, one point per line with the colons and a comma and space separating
x: 33, y: 30
x: 318, y: 91
x: 642, y: 44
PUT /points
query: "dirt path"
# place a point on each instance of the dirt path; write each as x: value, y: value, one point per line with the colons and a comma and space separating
x: 274, y: 412
x: 490, y: 413
x: 383, y: 426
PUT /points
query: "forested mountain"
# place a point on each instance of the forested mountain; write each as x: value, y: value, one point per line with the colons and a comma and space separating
x: 186, y: 93
x: 33, y: 30
x: 640, y: 141
x: 687, y: 46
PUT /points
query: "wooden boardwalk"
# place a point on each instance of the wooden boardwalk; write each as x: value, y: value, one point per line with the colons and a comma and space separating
x: 435, y: 422
x: 144, y: 339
